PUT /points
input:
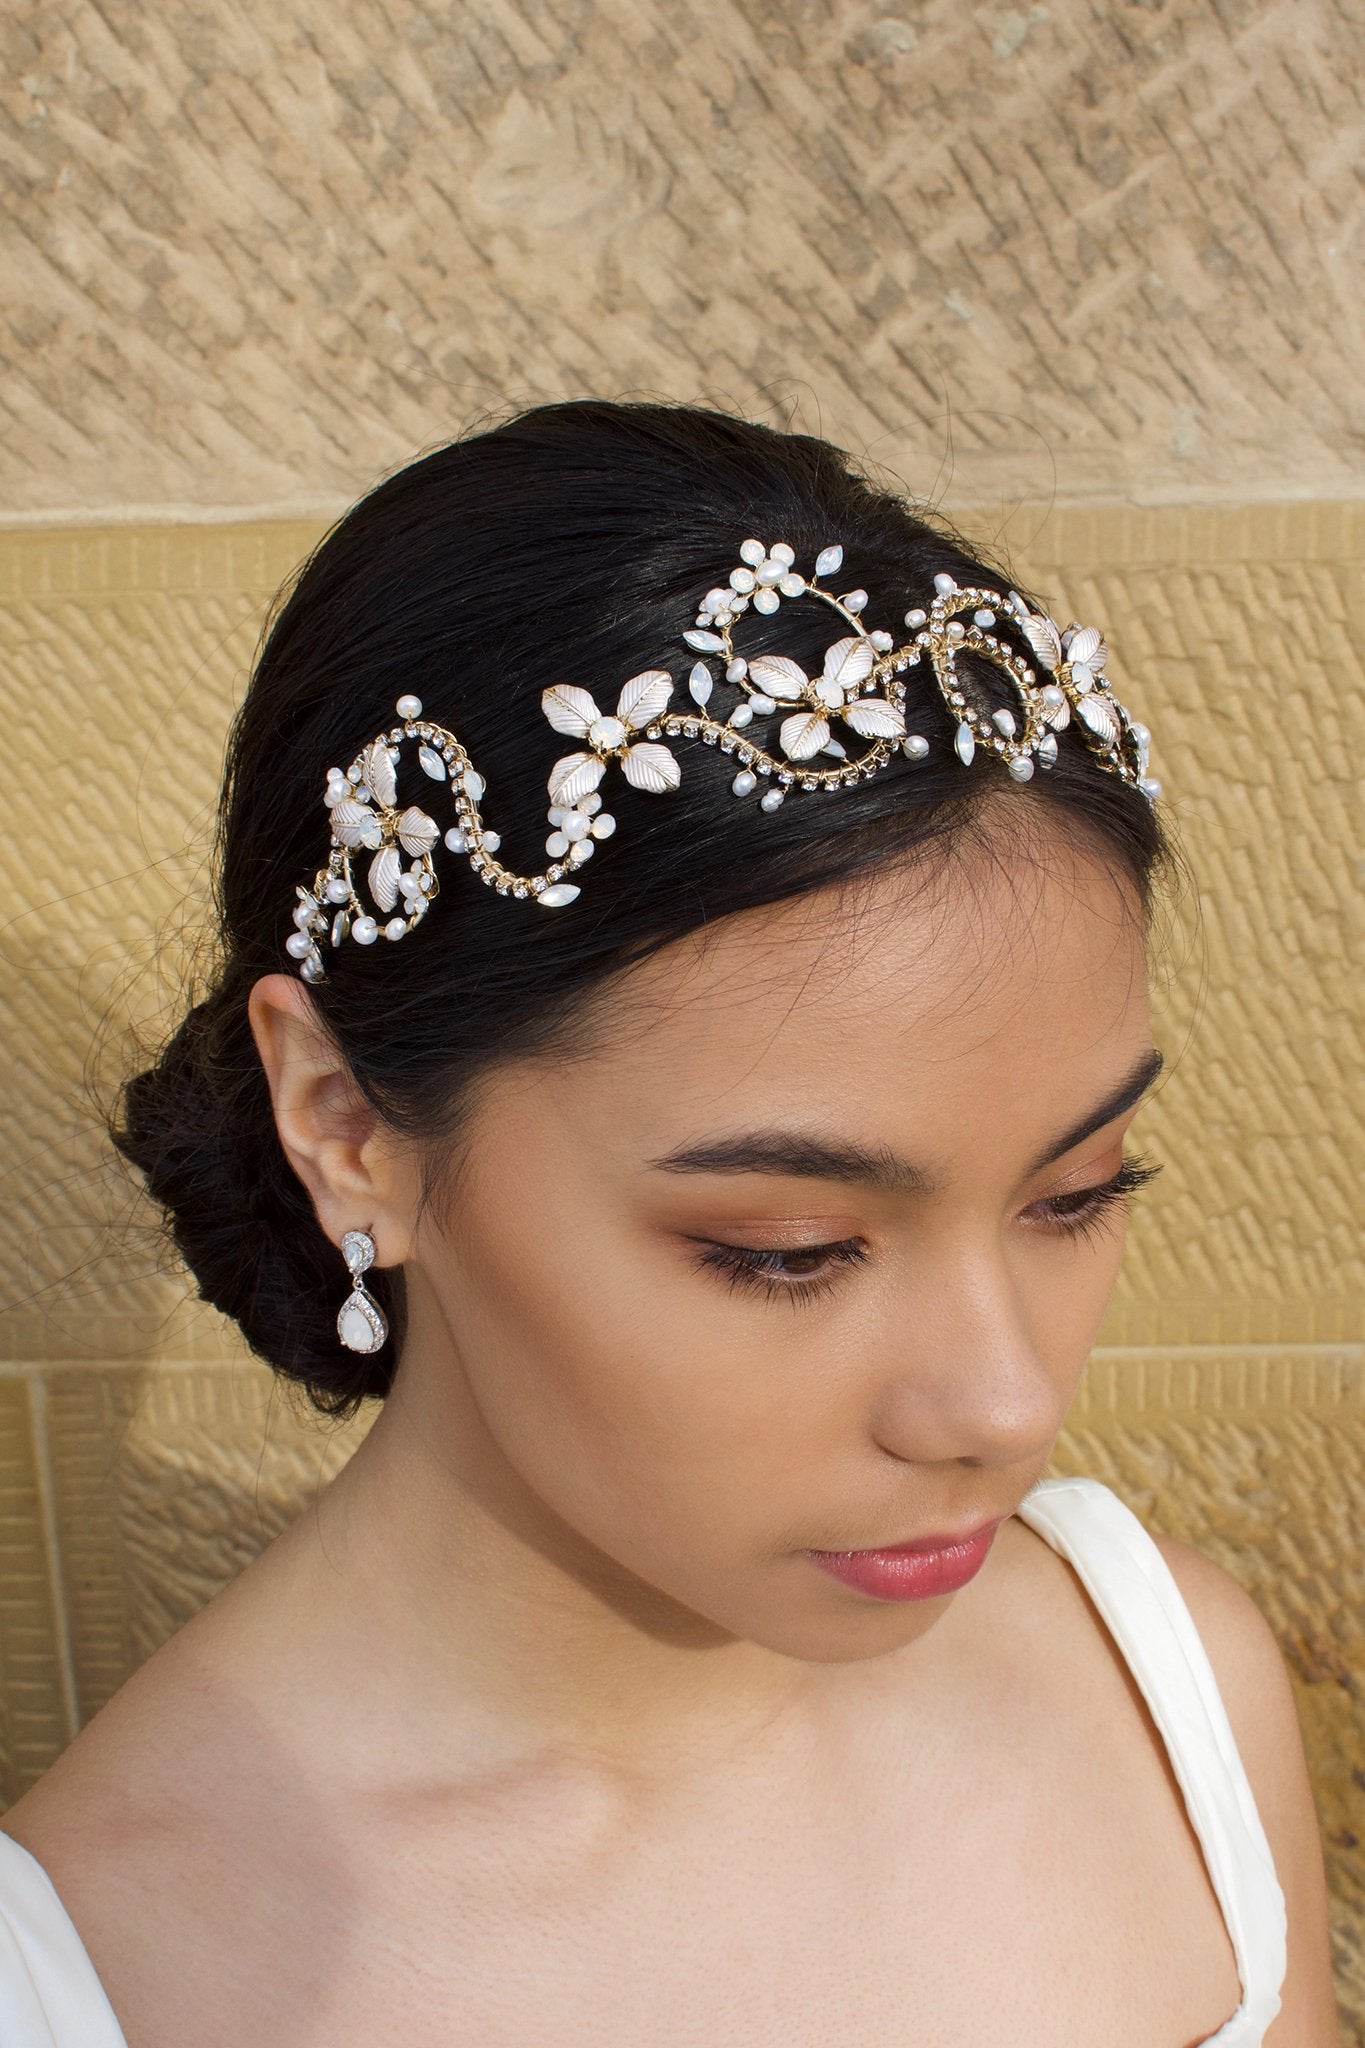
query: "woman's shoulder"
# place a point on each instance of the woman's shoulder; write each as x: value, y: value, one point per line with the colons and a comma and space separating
x: 79, y: 1846
x: 50, y: 1995
x: 144, y: 1766
x: 1108, y: 1543
x: 1146, y: 1582
x: 1140, y: 1571
x: 1182, y: 1622
x: 154, y: 1826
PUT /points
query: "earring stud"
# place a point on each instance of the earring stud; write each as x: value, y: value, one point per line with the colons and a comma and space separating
x: 360, y: 1323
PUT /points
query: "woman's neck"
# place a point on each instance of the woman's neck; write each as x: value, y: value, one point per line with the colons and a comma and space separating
x: 458, y: 1614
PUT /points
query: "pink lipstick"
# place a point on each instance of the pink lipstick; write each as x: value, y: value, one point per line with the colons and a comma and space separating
x: 912, y: 1571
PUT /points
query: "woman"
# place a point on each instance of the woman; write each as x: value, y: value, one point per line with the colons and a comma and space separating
x: 722, y: 1202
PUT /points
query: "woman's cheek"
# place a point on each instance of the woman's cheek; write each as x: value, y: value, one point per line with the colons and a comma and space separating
x: 1069, y: 1285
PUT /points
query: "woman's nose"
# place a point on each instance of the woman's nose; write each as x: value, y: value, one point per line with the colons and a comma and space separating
x: 964, y: 1379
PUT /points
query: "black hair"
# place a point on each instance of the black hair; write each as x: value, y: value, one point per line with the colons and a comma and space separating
x: 570, y: 543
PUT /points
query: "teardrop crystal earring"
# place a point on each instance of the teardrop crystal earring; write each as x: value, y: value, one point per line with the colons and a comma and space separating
x: 360, y: 1324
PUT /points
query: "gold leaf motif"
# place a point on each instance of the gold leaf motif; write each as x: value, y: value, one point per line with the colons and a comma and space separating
x: 575, y: 776
x: 379, y: 773
x: 416, y: 831
x: 651, y: 767
x: 776, y: 676
x: 644, y: 698
x: 1088, y: 646
x: 1043, y: 638
x: 1100, y: 716
x: 569, y: 709
x: 804, y: 735
x: 875, y: 719
x: 385, y: 869
x: 355, y: 824
x: 848, y: 662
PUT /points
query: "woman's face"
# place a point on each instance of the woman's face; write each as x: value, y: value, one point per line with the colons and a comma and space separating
x: 804, y: 1247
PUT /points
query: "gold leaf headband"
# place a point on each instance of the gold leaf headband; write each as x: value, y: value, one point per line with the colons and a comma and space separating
x: 859, y: 694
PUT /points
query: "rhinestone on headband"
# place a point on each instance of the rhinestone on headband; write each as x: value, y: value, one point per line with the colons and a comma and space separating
x: 859, y: 696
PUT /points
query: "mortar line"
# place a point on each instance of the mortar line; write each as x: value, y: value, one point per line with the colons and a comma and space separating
x: 56, y: 1576
x: 328, y: 506
x: 1351, y: 1350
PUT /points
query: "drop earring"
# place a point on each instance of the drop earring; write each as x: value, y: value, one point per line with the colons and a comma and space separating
x: 360, y: 1324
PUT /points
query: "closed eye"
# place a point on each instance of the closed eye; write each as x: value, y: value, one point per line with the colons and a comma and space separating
x: 1081, y: 1212
x: 798, y: 1273
x: 802, y: 1273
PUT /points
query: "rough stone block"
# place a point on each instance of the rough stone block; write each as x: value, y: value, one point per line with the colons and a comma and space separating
x: 168, y: 1482
x: 254, y: 259
x: 36, y: 1707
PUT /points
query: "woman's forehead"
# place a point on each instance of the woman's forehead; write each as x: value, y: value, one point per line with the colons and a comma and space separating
x: 922, y: 960
x: 920, y: 1017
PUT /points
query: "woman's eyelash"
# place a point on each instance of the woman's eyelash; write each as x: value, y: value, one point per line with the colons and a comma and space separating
x: 1078, y: 1213
x: 1083, y: 1211
x: 778, y: 1273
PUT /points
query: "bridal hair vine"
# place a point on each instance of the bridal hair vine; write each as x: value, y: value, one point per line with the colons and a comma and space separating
x: 860, y: 693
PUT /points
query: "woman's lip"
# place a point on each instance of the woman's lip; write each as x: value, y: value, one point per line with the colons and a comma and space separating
x: 917, y: 1543
x: 911, y: 1571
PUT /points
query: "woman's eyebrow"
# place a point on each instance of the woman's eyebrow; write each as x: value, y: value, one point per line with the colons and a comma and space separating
x: 1130, y: 1090
x: 801, y: 1157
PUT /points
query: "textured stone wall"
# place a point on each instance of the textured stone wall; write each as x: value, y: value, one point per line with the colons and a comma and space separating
x: 258, y: 252
x: 1088, y: 275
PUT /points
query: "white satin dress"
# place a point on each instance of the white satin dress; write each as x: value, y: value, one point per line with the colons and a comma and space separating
x: 50, y: 1996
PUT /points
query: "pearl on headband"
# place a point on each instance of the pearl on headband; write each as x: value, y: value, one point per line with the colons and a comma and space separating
x: 859, y: 696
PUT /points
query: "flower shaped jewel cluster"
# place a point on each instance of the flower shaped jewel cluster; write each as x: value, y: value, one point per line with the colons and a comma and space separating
x: 827, y: 731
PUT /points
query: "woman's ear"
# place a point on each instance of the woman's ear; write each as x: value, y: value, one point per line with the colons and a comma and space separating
x: 336, y: 1143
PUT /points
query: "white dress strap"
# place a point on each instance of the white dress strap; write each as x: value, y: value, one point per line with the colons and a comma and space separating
x: 1132, y: 1585
x: 50, y: 1996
